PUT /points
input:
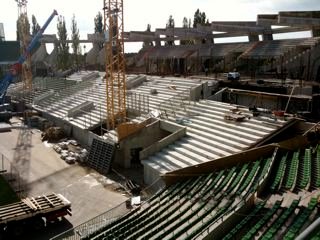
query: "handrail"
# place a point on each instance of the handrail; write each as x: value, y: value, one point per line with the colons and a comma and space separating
x: 100, y: 221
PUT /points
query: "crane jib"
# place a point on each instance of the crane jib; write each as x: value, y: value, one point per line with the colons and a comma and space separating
x: 16, y: 68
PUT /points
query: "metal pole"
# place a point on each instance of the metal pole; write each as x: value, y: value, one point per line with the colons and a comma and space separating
x: 309, y: 231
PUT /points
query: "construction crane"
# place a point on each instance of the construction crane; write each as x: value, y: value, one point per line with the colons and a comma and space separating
x: 16, y: 68
x: 24, y: 34
x: 115, y: 63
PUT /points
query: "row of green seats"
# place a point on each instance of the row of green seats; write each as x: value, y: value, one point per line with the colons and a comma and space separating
x: 293, y: 169
x: 170, y: 214
x: 244, y: 222
x: 300, y: 220
x: 262, y: 222
x: 280, y: 173
x: 306, y: 170
x: 270, y: 234
x: 316, y: 168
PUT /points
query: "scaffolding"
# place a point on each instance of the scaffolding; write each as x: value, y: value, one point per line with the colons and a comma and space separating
x: 24, y: 34
x: 115, y: 63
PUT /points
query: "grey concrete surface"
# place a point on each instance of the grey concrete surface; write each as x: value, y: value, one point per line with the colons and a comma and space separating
x: 43, y: 172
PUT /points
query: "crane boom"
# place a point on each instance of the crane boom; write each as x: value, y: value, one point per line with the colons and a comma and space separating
x: 16, y: 68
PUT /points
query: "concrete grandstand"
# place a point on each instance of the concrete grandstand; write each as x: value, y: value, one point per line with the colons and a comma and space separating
x: 214, y: 157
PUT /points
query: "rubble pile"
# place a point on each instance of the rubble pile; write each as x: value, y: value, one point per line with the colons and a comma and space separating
x: 70, y: 151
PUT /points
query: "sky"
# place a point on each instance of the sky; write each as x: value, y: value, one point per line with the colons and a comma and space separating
x: 139, y: 13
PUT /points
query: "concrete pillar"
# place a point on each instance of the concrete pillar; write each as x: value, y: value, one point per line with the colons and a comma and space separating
x: 315, y: 31
x: 253, y: 37
x: 267, y: 37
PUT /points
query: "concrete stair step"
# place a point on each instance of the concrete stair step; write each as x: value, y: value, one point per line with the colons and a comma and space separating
x: 217, y: 144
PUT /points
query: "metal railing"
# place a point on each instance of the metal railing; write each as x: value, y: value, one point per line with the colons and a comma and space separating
x: 12, y: 176
x: 138, y: 102
x: 90, y: 227
x: 93, y: 225
x: 175, y: 103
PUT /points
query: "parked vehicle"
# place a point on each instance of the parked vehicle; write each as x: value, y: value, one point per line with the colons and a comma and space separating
x: 233, y: 76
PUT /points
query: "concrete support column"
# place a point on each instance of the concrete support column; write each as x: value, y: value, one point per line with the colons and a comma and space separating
x: 253, y: 37
x: 267, y: 37
x: 315, y: 31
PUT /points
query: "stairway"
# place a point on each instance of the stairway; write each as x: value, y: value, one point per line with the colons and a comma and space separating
x: 100, y: 156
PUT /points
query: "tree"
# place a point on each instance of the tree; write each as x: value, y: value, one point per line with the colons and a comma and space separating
x: 35, y: 26
x: 199, y: 18
x: 62, y: 46
x: 75, y: 38
x: 170, y: 24
x: 98, y: 25
x: 148, y: 27
x: 186, y: 24
x: 147, y: 43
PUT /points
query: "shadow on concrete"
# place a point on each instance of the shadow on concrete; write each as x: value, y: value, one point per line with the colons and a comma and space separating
x: 50, y: 231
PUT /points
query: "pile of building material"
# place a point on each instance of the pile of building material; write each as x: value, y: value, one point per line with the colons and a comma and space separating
x: 53, y: 134
x: 70, y: 151
x: 39, y: 122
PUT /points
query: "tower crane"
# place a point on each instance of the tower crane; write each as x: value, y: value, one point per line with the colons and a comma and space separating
x: 115, y: 63
x: 16, y: 68
x: 24, y: 34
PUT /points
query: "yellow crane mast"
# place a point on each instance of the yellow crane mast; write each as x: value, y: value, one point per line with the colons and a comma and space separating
x: 115, y: 63
x: 24, y: 42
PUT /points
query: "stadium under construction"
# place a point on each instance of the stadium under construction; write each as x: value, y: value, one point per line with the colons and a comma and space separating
x: 197, y: 152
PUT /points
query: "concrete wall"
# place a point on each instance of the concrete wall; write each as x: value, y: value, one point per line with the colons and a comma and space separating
x: 233, y: 160
x: 152, y: 178
x: 315, y: 63
x: 83, y: 136
x: 177, y: 132
x: 135, y: 82
x: 199, y: 92
x: 142, y: 139
x: 218, y: 164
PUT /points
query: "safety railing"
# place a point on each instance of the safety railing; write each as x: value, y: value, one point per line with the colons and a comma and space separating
x: 176, y: 103
x: 11, y: 174
x: 93, y: 225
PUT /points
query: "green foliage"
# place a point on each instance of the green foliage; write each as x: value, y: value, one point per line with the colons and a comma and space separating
x: 75, y: 38
x: 186, y: 24
x: 148, y: 27
x: 200, y: 18
x: 170, y: 24
x: 147, y: 43
x: 35, y: 26
x: 98, y: 25
x: 62, y: 46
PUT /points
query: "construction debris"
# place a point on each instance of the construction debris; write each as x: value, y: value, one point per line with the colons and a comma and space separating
x: 235, y: 115
x: 70, y: 151
x: 52, y: 134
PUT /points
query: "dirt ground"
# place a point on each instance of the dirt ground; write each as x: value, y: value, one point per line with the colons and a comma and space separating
x: 43, y: 171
